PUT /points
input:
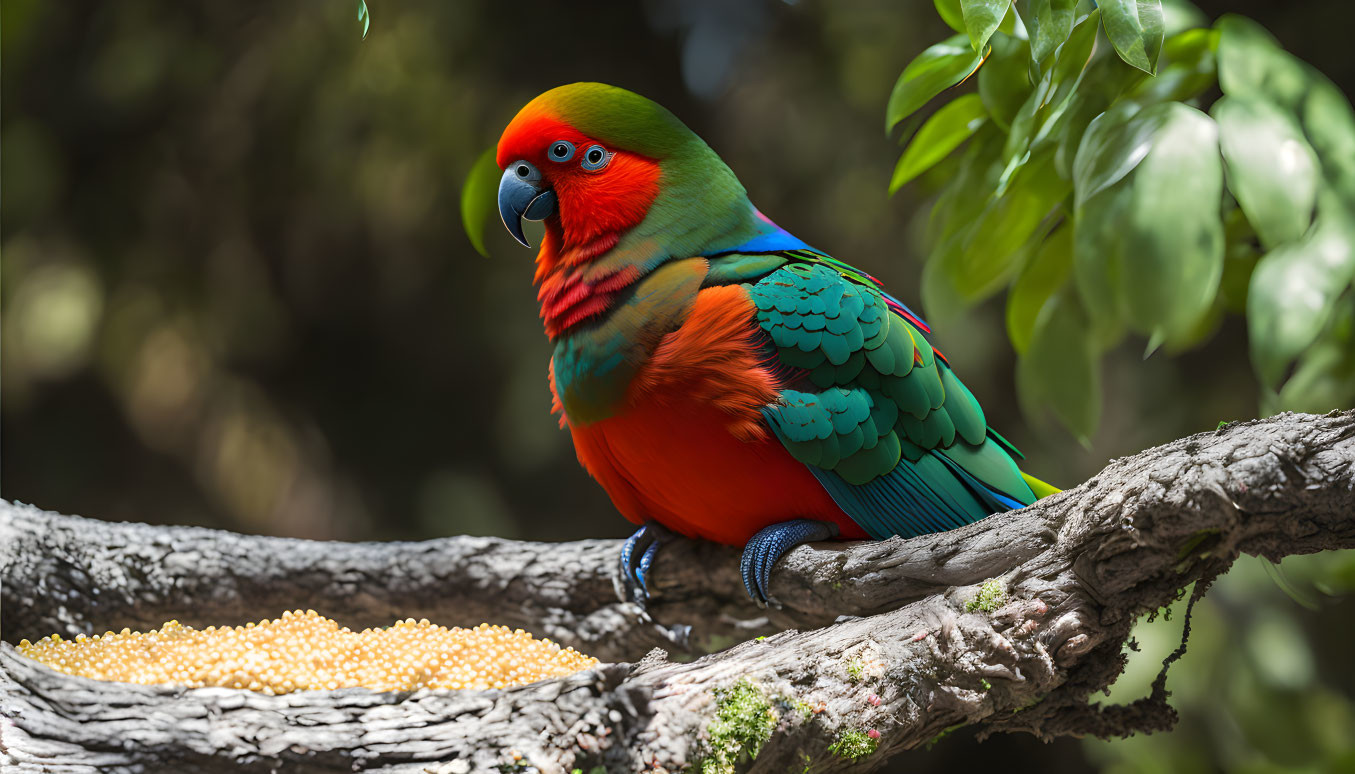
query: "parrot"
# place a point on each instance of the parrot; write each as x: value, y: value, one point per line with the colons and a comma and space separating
x: 720, y: 378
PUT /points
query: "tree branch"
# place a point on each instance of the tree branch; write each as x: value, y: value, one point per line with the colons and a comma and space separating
x: 921, y: 647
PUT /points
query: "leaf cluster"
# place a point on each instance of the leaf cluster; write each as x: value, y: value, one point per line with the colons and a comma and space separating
x: 1127, y: 170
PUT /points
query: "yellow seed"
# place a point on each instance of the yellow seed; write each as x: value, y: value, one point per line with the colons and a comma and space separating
x: 303, y: 650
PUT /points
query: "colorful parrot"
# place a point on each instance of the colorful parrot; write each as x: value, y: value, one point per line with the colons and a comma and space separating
x: 720, y: 377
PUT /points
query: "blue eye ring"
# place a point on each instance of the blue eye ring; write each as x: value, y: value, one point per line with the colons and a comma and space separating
x: 561, y: 150
x: 595, y: 157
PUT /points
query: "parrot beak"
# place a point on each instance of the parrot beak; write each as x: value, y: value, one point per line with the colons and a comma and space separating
x: 523, y: 194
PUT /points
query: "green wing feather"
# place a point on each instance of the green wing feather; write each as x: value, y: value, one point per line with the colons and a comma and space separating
x: 895, y: 436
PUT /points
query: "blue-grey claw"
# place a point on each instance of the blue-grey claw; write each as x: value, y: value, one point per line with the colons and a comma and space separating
x: 770, y: 544
x: 628, y: 550
x: 642, y: 572
x: 637, y: 557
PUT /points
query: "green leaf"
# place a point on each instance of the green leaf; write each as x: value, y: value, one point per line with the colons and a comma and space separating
x: 981, y: 19
x: 1059, y: 369
x: 1329, y: 123
x: 1175, y: 235
x: 980, y: 258
x: 1045, y: 273
x: 1191, y: 69
x: 1086, y: 107
x: 1135, y: 29
x: 1096, y: 263
x: 1325, y: 376
x: 1252, y: 64
x: 365, y: 17
x: 1240, y: 255
x: 939, y: 177
x: 1024, y: 123
x: 932, y: 72
x: 1194, y: 335
x: 478, y: 198
x: 1294, y: 290
x: 1272, y: 171
x: 965, y: 197
x: 1003, y: 80
x: 1042, y: 115
x: 1009, y: 24
x: 1102, y: 85
x: 943, y: 133
x: 1158, y: 232
x: 944, y: 304
x: 1180, y: 15
x: 1071, y: 64
x: 1114, y: 143
x: 951, y: 13
x: 1048, y: 23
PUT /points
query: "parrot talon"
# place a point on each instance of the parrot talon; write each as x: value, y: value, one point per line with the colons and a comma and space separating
x: 637, y: 556
x: 643, y: 570
x: 628, y: 550
x: 770, y: 544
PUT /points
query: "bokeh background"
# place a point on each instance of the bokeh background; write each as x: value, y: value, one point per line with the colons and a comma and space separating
x: 236, y: 293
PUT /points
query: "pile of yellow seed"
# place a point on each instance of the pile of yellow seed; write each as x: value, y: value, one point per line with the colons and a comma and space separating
x: 304, y: 651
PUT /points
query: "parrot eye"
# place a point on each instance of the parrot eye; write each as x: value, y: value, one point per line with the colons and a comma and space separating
x: 561, y: 151
x: 595, y: 158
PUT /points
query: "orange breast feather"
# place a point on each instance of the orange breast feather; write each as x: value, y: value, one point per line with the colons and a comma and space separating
x: 691, y: 450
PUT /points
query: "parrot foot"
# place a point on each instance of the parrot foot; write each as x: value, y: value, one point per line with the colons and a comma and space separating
x: 772, y: 543
x: 637, y: 556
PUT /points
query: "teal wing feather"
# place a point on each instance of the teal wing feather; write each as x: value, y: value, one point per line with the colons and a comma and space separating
x: 883, y: 422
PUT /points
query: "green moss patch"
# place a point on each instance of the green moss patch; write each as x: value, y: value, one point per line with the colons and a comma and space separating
x: 744, y: 719
x: 853, y: 744
x: 992, y: 595
x: 856, y: 669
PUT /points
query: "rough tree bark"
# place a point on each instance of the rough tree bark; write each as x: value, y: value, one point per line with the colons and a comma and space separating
x: 896, y: 640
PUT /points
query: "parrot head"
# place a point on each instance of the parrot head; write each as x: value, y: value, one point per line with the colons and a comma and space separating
x: 622, y: 186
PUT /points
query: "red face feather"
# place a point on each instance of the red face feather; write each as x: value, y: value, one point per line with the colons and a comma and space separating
x: 595, y: 208
x: 594, y: 204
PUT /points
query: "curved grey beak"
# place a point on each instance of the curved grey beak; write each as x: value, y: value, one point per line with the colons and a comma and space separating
x: 523, y: 194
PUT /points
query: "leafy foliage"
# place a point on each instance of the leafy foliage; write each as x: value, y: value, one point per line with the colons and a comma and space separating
x: 1107, y: 200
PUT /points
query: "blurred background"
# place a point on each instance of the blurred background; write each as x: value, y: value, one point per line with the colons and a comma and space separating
x: 236, y: 293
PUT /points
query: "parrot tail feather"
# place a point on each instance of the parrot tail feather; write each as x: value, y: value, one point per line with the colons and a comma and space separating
x: 1040, y: 488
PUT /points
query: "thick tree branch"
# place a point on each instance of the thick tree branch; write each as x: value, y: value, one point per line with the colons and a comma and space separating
x: 918, y: 654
